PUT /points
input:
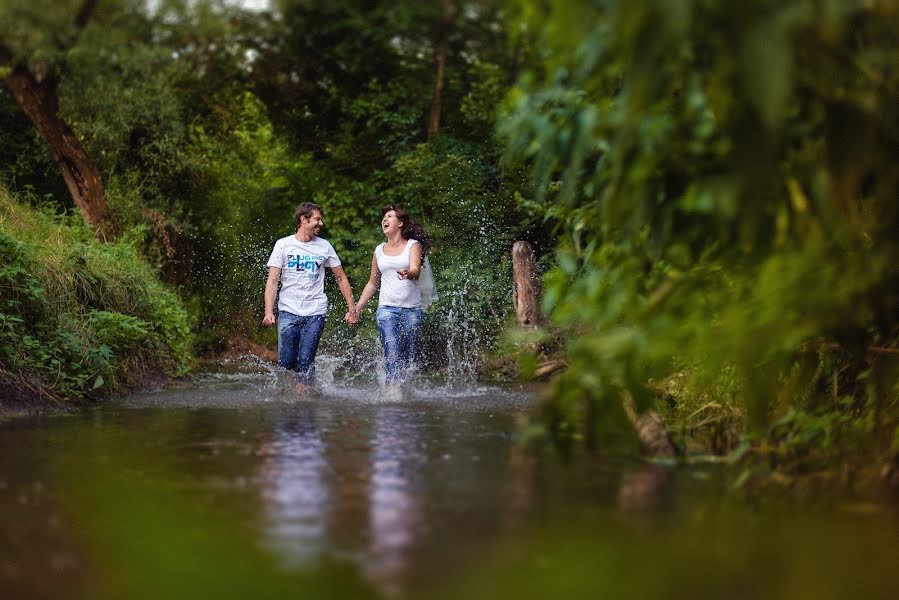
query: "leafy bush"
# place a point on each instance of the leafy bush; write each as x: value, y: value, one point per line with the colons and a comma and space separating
x: 78, y: 318
x: 725, y: 176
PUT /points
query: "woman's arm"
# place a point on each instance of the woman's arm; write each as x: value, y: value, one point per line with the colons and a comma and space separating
x: 374, y: 282
x: 414, y: 269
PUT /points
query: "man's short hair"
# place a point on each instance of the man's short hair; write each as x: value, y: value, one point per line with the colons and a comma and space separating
x: 305, y: 209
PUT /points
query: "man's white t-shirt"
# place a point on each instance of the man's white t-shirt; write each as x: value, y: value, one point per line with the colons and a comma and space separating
x: 302, y: 267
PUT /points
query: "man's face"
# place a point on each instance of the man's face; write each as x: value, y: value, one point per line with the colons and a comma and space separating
x: 313, y: 222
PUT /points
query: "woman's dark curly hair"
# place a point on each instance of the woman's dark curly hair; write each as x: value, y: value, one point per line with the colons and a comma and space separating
x: 410, y: 229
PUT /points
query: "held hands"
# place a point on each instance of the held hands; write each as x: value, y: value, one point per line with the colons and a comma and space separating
x: 402, y: 273
x: 351, y: 318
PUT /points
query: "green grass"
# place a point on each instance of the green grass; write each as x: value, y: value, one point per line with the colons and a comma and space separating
x: 80, y: 319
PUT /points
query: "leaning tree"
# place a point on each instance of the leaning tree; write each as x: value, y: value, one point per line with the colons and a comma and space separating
x: 34, y: 38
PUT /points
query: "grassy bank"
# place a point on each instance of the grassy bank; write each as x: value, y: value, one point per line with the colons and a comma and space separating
x: 836, y: 429
x: 79, y: 319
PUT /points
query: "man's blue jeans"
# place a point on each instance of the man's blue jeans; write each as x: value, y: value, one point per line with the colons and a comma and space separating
x: 298, y: 342
x: 400, y: 328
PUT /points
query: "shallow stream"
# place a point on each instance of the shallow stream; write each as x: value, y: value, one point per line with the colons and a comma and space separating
x: 231, y: 486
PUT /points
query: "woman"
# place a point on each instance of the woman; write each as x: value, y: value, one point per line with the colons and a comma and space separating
x: 395, y: 269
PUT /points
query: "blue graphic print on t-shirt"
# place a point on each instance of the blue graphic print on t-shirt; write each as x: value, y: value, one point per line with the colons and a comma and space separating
x: 305, y: 263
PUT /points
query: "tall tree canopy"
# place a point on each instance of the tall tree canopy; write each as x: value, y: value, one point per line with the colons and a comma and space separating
x: 35, y: 38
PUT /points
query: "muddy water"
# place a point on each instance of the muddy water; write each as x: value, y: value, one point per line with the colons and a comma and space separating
x: 231, y: 486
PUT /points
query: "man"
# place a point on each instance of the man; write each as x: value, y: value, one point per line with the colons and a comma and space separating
x: 298, y: 261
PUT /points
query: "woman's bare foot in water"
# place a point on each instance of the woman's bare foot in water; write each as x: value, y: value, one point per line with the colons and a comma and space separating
x: 304, y: 391
x: 394, y: 392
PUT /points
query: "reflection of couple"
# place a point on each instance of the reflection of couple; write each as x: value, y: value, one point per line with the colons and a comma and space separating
x: 322, y: 496
x: 298, y: 262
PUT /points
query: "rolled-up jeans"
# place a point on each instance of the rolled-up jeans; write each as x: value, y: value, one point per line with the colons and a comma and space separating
x: 399, y: 328
x: 298, y: 342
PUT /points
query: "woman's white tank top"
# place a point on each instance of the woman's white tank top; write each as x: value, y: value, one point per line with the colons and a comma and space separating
x: 402, y: 293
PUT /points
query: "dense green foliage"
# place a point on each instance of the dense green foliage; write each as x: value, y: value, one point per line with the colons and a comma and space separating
x: 210, y: 124
x: 359, y: 126
x: 725, y: 177
x: 719, y: 180
x: 78, y: 318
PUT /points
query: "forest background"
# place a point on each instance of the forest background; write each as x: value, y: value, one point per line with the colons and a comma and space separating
x: 710, y: 187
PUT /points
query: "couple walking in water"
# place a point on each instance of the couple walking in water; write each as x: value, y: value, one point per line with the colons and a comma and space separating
x: 398, y: 269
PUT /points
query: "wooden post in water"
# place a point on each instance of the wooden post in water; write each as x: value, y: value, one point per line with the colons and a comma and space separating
x: 525, y: 285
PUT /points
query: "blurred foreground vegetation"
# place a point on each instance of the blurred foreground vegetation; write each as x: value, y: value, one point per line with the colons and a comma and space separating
x: 711, y: 188
x: 725, y: 179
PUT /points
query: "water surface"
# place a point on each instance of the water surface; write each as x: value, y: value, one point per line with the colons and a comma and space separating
x: 233, y: 486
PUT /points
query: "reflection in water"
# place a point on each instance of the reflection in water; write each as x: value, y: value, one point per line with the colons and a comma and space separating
x: 294, y: 490
x: 344, y: 481
x: 520, y: 488
x: 395, y: 511
x: 643, y: 488
x: 314, y: 485
x: 417, y: 496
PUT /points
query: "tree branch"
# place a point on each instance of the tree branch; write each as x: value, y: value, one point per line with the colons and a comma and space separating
x: 871, y: 349
x: 6, y: 54
x: 87, y: 11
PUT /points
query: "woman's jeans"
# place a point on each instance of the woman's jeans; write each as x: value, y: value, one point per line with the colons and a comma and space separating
x: 298, y: 342
x: 400, y: 328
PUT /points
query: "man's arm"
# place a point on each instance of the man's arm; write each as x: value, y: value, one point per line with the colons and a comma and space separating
x: 271, y: 290
x: 344, y: 284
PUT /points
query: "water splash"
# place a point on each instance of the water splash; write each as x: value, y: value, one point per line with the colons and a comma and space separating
x: 472, y: 282
x: 463, y: 341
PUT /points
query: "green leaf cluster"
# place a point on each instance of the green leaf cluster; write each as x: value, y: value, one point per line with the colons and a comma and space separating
x: 724, y: 178
x: 78, y: 318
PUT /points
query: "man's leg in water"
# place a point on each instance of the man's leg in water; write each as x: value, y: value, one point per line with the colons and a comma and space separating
x: 310, y: 332
x: 288, y: 339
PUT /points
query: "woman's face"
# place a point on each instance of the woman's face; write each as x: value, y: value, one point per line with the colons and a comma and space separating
x: 389, y: 222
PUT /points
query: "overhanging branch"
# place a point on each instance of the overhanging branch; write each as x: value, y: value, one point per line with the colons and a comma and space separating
x: 87, y: 11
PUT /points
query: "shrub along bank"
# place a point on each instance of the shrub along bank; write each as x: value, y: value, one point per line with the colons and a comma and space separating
x: 79, y: 319
x: 725, y: 183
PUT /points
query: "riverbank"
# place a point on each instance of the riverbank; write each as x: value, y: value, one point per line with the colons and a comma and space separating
x: 79, y: 319
x: 13, y: 407
x: 690, y: 418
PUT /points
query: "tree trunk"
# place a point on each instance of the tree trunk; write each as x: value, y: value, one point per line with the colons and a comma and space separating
x: 442, y: 51
x: 525, y: 285
x: 37, y: 98
x: 35, y: 94
x: 650, y: 430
